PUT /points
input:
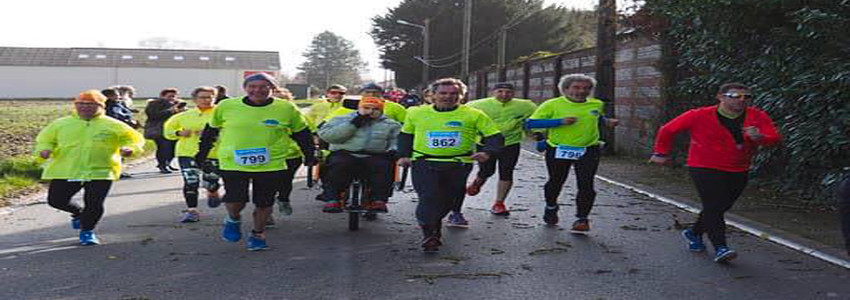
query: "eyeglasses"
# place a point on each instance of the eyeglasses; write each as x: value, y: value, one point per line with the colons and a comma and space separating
x: 739, y: 96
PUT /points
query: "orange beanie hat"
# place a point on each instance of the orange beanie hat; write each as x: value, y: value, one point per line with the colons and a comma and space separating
x: 91, y: 96
x: 372, y: 102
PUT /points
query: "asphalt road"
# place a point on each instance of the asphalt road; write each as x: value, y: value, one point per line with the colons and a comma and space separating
x: 632, y: 252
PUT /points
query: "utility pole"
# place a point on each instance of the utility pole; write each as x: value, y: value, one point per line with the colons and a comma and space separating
x: 426, y: 48
x: 605, y: 50
x: 503, y: 44
x: 467, y: 28
x: 500, y: 56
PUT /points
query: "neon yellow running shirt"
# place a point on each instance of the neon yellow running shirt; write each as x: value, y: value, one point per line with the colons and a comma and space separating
x: 447, y: 134
x: 583, y: 133
x: 255, y: 138
x: 509, y: 116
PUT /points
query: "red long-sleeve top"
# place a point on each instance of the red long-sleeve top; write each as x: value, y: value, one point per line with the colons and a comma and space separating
x: 712, y: 145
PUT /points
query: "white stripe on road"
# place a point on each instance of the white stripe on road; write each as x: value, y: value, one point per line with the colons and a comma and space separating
x: 744, y: 227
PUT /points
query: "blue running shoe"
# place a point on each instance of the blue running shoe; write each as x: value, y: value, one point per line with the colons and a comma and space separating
x: 256, y: 244
x: 232, y: 231
x: 213, y: 199
x: 456, y: 219
x: 75, y: 223
x: 285, y: 208
x: 695, y: 243
x: 724, y: 255
x: 190, y: 216
x: 88, y: 238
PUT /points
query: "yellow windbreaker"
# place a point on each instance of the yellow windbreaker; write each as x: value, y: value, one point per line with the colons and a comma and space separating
x: 194, y: 120
x: 86, y: 149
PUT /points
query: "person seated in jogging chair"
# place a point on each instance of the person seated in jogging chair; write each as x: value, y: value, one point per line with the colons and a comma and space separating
x: 362, y: 142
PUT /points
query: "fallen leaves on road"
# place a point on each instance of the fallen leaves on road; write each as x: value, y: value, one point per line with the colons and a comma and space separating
x: 633, y: 227
x: 552, y: 250
x: 454, y: 260
x: 432, y: 278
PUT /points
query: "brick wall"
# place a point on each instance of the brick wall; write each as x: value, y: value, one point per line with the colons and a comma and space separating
x: 638, y: 99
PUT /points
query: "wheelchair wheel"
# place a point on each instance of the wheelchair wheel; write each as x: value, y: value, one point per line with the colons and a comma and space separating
x: 354, y: 212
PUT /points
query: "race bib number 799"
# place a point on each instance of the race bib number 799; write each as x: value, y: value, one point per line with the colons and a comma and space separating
x: 251, y: 157
x: 443, y: 139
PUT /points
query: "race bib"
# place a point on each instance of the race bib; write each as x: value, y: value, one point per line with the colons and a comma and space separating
x: 571, y: 153
x: 443, y: 139
x: 251, y: 157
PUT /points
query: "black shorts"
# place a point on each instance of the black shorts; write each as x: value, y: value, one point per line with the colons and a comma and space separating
x: 507, y: 159
x: 264, y: 186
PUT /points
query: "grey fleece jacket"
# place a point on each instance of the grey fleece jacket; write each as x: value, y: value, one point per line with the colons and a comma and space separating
x: 378, y: 136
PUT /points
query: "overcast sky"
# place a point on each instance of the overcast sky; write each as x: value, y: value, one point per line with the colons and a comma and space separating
x: 284, y: 26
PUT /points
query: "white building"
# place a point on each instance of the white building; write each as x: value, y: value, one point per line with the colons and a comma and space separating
x: 64, y: 72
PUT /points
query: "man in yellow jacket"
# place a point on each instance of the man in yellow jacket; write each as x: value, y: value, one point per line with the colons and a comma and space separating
x: 83, y: 151
x: 185, y: 128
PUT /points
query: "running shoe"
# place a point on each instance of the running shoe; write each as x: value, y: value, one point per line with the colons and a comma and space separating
x: 164, y: 170
x: 474, y: 187
x: 378, y: 207
x: 431, y: 243
x: 256, y: 244
x: 232, y: 230
x: 456, y: 219
x: 125, y: 175
x: 499, y: 209
x: 332, y: 207
x: 190, y: 216
x: 75, y: 222
x: 581, y: 226
x: 270, y: 221
x: 88, y: 238
x: 695, y: 243
x: 550, y: 215
x: 213, y: 199
x: 285, y: 208
x: 724, y: 255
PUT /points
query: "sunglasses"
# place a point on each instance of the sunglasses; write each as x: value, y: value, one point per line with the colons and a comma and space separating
x: 336, y: 93
x: 739, y: 96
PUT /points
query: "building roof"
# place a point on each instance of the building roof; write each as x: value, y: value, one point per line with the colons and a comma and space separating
x: 139, y: 58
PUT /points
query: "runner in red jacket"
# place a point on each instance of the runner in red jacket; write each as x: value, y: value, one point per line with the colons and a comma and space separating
x: 724, y: 138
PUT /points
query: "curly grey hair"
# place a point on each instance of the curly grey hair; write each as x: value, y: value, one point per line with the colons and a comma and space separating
x: 568, y: 79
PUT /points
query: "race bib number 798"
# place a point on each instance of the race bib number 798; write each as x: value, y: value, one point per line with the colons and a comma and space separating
x: 443, y: 139
x: 251, y: 157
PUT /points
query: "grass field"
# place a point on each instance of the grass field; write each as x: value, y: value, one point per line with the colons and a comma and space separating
x: 20, y: 122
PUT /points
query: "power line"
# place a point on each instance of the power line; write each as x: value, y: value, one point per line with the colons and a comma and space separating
x: 516, y: 20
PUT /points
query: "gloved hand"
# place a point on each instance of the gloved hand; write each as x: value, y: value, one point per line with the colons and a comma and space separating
x: 392, y: 155
x: 360, y: 120
x: 310, y: 160
x: 200, y: 159
x: 542, y: 145
x: 207, y: 166
x: 538, y: 136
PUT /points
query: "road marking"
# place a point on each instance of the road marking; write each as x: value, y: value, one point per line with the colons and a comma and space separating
x: 744, y: 227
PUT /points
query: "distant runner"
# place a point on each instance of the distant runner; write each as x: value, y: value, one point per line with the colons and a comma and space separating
x: 724, y: 138
x: 439, y: 141
x: 573, y: 141
x: 84, y: 151
x: 509, y: 114
x: 254, y: 132
x: 185, y: 128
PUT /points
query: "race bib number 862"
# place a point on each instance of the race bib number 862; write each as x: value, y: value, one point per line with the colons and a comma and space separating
x: 443, y: 139
x: 251, y: 157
